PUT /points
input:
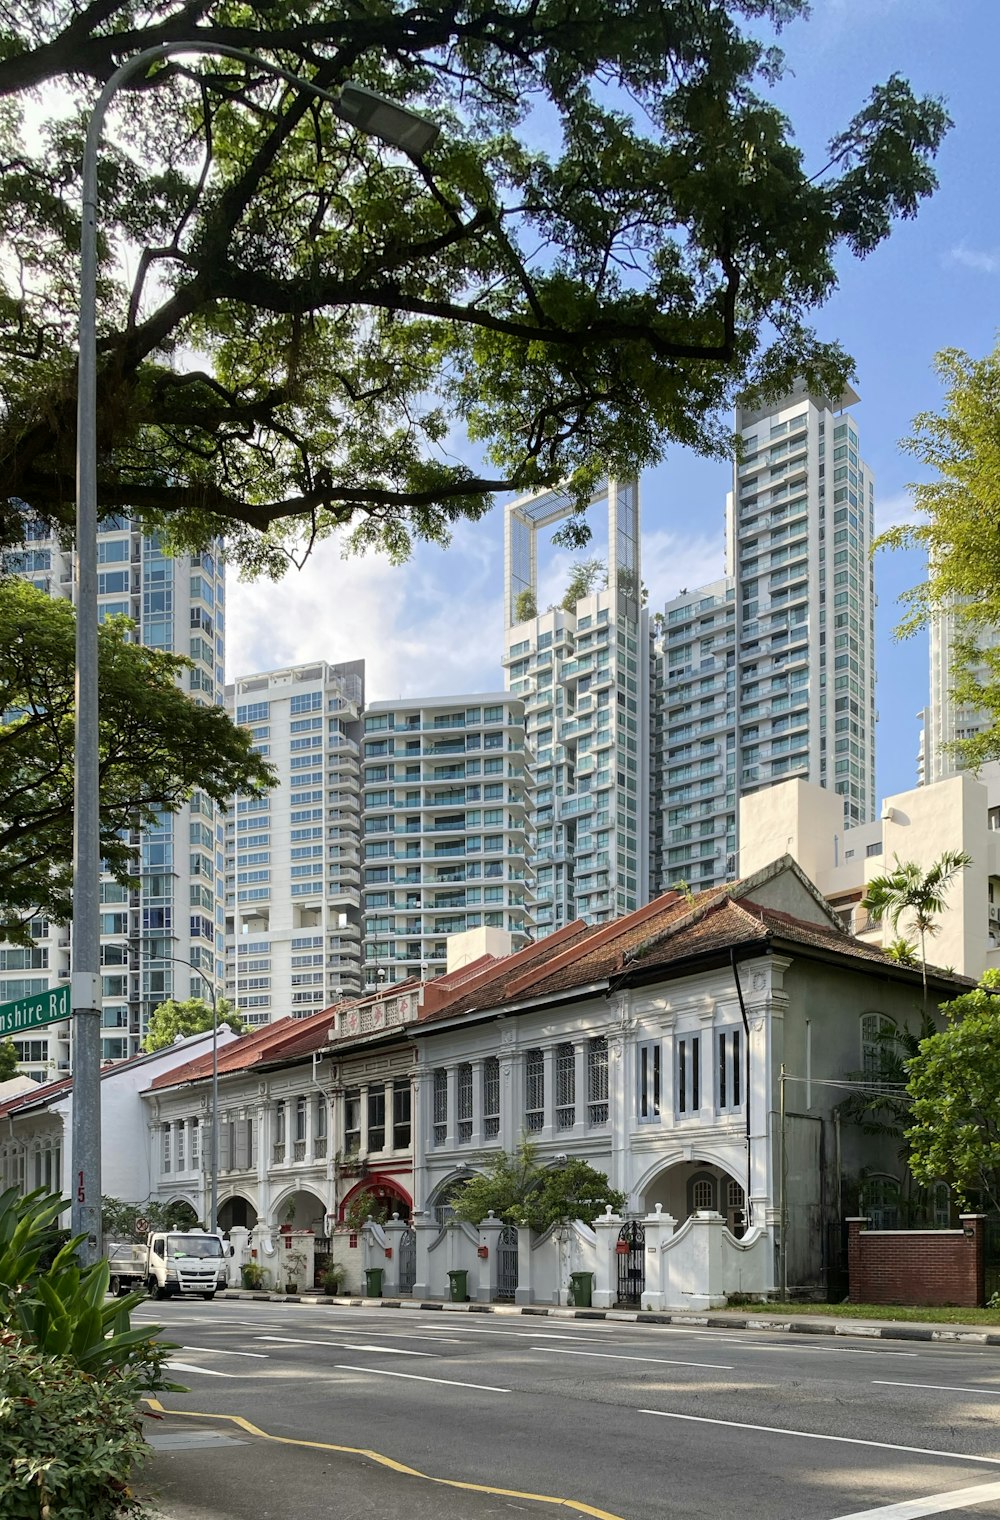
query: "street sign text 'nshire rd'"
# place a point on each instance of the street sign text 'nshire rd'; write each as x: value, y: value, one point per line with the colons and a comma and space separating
x: 31, y: 1012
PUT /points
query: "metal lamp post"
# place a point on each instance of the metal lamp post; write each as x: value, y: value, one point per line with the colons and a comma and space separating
x: 180, y: 961
x: 369, y: 113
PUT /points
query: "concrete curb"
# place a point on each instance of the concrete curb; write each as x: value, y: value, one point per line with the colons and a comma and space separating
x: 886, y: 1330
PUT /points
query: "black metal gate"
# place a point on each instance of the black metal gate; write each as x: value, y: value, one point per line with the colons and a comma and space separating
x: 991, y: 1255
x: 407, y: 1260
x: 631, y: 1250
x: 507, y: 1262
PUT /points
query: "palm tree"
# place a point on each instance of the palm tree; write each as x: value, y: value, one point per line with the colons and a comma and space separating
x: 907, y: 889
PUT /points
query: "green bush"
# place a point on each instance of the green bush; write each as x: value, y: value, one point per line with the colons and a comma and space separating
x: 253, y: 1274
x: 68, y: 1440
x: 63, y: 1311
x: 334, y: 1278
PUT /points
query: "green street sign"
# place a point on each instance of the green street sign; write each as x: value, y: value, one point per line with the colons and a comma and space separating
x: 31, y: 1012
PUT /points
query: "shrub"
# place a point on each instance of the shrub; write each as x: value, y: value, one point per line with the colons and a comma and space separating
x: 63, y: 1311
x: 68, y: 1440
x: 252, y: 1274
x: 333, y: 1279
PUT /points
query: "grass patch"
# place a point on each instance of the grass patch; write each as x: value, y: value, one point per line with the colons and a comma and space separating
x: 916, y: 1313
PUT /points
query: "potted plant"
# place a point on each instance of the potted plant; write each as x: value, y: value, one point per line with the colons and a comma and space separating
x: 252, y: 1274
x: 294, y: 1263
x: 333, y: 1279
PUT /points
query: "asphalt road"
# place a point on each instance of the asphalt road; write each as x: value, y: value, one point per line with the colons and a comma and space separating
x: 522, y: 1416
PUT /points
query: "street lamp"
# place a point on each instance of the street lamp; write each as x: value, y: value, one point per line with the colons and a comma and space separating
x: 369, y: 113
x: 180, y: 961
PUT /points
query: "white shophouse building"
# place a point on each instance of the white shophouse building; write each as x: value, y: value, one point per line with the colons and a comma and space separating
x: 652, y: 1048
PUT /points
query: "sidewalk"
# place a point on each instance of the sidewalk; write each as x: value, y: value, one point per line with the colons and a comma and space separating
x: 718, y: 1319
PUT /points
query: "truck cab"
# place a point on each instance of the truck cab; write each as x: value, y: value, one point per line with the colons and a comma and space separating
x: 185, y: 1263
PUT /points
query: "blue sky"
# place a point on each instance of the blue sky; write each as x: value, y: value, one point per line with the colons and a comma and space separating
x: 435, y: 626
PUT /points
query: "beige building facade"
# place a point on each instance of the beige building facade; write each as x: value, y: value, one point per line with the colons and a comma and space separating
x: 958, y: 813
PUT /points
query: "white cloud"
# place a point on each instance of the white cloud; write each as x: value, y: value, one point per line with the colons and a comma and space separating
x: 893, y: 511
x: 431, y: 627
x: 984, y: 261
x: 672, y: 564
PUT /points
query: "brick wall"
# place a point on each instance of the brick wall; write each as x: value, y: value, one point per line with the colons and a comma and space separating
x: 941, y: 1267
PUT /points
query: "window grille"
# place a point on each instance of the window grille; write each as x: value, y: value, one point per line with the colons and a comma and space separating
x: 565, y: 1087
x: 352, y: 1121
x: 734, y: 1195
x: 464, y: 1114
x: 401, y: 1114
x: 534, y: 1090
x: 166, y: 1147
x: 376, y: 1118
x: 689, y: 1074
x: 730, y: 1069
x: 195, y: 1130
x: 440, y: 1106
x: 179, y: 1135
x: 649, y: 1080
x: 491, y: 1098
x: 597, y: 1080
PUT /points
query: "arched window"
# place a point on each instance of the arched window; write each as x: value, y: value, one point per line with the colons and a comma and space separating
x: 880, y: 1201
x: 703, y: 1193
x: 940, y: 1205
x: 876, y: 1031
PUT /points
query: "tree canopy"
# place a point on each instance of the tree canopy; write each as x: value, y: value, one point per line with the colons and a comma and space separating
x: 8, y: 1060
x: 187, y: 1016
x: 156, y: 747
x: 613, y: 235
x: 954, y: 1081
x: 520, y: 1190
x: 959, y: 530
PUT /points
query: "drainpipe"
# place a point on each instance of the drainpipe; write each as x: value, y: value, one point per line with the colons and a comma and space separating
x: 746, y: 1033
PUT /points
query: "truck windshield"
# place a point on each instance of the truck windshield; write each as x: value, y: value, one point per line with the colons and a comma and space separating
x: 194, y: 1245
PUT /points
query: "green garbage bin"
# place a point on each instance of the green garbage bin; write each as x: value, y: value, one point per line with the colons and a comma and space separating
x: 581, y: 1287
x: 459, y: 1281
x: 373, y: 1282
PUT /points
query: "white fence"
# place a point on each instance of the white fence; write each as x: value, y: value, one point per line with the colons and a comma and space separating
x: 696, y: 1266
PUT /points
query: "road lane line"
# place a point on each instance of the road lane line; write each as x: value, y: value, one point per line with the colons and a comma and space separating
x: 934, y: 1504
x: 812, y: 1435
x: 218, y: 1351
x: 937, y: 1387
x: 577, y: 1505
x: 414, y: 1377
x: 620, y: 1356
x: 190, y: 1367
x: 288, y: 1340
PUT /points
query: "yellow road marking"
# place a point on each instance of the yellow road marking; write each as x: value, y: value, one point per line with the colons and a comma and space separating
x: 390, y: 1462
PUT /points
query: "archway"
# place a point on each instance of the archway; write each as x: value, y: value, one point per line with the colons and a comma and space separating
x: 236, y: 1211
x: 386, y: 1198
x: 689, y: 1186
x: 439, y: 1204
x: 300, y: 1210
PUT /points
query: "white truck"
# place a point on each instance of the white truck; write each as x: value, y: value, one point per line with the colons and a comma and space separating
x: 170, y: 1262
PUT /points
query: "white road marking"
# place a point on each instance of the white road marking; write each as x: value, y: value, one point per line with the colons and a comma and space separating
x: 288, y: 1340
x: 218, y: 1351
x: 812, y: 1435
x: 937, y: 1387
x: 620, y: 1356
x: 190, y: 1367
x: 814, y: 1350
x: 934, y: 1504
x: 415, y: 1378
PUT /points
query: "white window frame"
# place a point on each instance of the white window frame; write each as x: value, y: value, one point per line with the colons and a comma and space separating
x: 649, y: 1081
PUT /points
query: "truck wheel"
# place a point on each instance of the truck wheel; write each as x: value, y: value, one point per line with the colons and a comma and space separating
x: 155, y: 1290
x: 115, y: 1287
x: 209, y: 1296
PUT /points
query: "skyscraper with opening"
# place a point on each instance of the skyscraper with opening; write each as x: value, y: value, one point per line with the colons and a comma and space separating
x: 581, y: 669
